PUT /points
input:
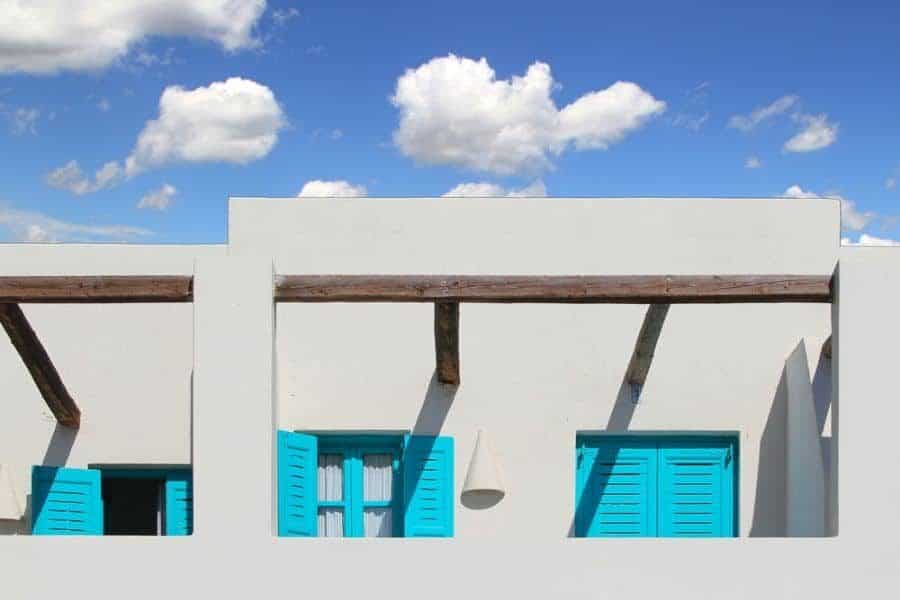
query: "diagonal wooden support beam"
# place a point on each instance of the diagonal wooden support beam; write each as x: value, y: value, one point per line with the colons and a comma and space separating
x: 39, y: 365
x: 645, y: 346
x: 446, y: 341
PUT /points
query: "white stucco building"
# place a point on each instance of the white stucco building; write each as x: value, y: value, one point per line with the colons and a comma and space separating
x: 798, y: 498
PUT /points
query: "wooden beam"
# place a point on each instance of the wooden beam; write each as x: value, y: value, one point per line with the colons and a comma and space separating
x: 446, y: 341
x: 645, y: 346
x: 96, y: 289
x: 39, y: 365
x: 609, y: 289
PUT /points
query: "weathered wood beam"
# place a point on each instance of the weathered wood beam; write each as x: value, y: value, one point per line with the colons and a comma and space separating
x: 446, y: 341
x: 96, y: 289
x: 611, y: 289
x: 645, y: 346
x: 39, y: 365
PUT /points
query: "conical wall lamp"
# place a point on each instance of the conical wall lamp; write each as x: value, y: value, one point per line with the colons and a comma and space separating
x: 483, y: 487
x: 9, y: 502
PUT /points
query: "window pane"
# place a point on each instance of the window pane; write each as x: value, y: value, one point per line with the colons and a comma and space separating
x: 331, y: 522
x: 331, y: 477
x: 378, y: 522
x: 377, y: 477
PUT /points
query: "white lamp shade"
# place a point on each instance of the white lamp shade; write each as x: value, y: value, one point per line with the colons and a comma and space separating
x: 9, y: 501
x: 483, y: 475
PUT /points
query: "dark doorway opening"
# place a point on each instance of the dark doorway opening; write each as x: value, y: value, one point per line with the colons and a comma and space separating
x: 132, y: 506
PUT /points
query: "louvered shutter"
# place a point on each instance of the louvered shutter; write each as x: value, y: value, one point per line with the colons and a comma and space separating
x: 66, y: 501
x: 428, y: 487
x: 297, y: 484
x: 697, y: 489
x: 179, y: 504
x: 616, y: 488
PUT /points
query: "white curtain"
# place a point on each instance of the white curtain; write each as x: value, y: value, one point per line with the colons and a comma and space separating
x: 378, y: 522
x: 331, y: 522
x: 331, y: 488
x: 378, y: 478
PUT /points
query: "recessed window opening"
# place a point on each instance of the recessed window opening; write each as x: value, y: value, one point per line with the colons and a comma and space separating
x: 103, y: 500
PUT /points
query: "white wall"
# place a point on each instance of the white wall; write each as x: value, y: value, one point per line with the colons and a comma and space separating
x: 127, y: 366
x: 713, y: 362
x: 534, y: 375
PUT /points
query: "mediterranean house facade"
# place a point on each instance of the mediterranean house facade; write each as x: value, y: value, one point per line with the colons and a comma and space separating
x: 531, y: 396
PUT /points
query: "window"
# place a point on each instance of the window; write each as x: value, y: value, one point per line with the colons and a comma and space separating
x: 656, y: 486
x: 364, y: 485
x: 358, y: 483
x: 111, y: 501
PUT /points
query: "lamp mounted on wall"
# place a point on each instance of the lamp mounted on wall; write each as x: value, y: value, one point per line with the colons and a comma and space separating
x: 9, y: 501
x: 483, y: 487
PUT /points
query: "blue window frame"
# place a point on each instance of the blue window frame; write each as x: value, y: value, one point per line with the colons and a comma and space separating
x: 656, y: 485
x: 358, y: 485
x: 343, y: 510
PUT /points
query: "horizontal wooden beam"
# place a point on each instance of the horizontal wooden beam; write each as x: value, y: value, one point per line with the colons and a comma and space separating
x: 645, y: 346
x: 446, y: 341
x: 96, y: 289
x: 38, y: 363
x: 590, y: 289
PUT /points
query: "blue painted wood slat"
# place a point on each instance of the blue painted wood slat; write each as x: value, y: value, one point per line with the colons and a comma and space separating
x: 179, y: 504
x: 297, y: 484
x: 66, y: 501
x: 428, y: 487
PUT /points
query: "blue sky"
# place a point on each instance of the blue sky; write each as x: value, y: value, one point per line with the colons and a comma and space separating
x: 392, y: 100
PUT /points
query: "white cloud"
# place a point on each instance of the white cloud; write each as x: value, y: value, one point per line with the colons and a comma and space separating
x: 890, y: 183
x: 28, y: 226
x: 70, y: 177
x: 48, y: 36
x: 817, y: 133
x: 747, y: 123
x: 795, y: 191
x: 454, y: 111
x: 235, y: 121
x: 158, y: 199
x: 852, y: 218
x: 145, y: 58
x: 752, y: 162
x: 489, y: 190
x: 23, y: 120
x: 869, y: 240
x: 318, y: 188
x: 281, y: 16
x: 690, y: 121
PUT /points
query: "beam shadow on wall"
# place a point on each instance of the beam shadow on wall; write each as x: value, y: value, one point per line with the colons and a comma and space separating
x: 430, y: 421
x: 619, y: 421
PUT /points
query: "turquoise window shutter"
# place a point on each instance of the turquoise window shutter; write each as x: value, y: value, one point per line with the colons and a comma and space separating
x: 66, y: 501
x: 428, y: 487
x: 298, y: 494
x: 615, y: 493
x: 697, y: 489
x: 179, y: 504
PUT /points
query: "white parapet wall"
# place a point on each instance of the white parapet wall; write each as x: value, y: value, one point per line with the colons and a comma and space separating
x: 532, y: 376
